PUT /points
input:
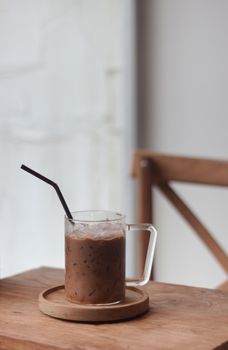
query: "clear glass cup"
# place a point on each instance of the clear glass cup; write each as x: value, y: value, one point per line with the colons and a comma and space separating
x: 95, y: 257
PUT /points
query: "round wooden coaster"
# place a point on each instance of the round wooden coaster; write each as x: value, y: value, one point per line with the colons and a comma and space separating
x: 52, y: 302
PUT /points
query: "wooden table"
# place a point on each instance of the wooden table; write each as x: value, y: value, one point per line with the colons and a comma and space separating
x: 180, y: 317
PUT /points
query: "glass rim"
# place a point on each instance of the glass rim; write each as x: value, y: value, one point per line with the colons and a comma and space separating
x: 118, y: 217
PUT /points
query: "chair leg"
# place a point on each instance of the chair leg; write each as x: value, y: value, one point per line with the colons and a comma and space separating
x: 144, y: 202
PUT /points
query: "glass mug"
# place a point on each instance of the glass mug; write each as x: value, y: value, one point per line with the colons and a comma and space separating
x: 95, y: 257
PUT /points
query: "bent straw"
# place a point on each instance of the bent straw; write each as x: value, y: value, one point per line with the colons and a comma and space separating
x: 53, y: 184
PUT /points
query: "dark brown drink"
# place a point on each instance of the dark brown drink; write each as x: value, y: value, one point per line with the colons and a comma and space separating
x: 94, y: 268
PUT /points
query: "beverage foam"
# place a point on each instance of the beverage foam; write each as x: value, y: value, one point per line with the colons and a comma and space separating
x: 98, y: 231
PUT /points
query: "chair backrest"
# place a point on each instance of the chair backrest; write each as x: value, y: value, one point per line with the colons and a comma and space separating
x: 153, y: 169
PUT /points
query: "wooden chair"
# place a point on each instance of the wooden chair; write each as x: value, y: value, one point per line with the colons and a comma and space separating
x: 151, y: 169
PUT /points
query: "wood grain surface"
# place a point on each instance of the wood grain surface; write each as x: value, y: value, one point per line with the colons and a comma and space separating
x: 52, y: 302
x: 180, y: 317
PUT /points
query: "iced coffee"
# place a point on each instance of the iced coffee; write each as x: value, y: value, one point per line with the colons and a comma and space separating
x: 95, y: 264
x: 95, y: 257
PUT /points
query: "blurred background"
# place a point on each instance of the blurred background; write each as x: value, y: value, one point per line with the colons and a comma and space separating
x: 82, y: 85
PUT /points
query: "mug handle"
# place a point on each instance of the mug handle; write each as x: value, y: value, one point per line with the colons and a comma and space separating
x: 149, y: 255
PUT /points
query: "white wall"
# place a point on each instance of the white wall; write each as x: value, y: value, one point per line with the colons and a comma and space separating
x: 183, y: 109
x: 61, y: 113
x: 130, y: 135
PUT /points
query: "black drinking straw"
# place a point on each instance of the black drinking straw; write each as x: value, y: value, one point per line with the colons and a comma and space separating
x: 53, y: 184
